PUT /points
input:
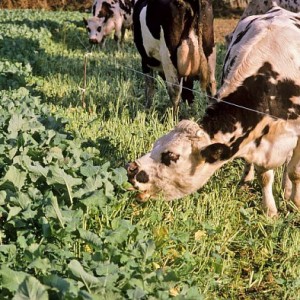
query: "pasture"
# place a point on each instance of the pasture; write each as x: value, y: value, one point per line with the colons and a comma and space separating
x: 71, y: 117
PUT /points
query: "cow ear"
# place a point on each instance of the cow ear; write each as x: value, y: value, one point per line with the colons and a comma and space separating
x: 215, y: 152
x: 85, y: 21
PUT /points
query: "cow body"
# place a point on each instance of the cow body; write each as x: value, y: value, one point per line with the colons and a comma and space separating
x: 109, y: 16
x: 256, y: 118
x: 176, y: 38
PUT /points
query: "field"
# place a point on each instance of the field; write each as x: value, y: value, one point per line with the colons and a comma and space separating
x: 71, y: 117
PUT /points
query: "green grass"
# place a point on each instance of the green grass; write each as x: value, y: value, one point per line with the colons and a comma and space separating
x: 214, y: 244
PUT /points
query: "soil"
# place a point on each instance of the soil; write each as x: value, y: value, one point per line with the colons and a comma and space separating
x: 223, y: 27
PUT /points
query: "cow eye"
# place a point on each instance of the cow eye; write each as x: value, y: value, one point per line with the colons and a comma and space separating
x: 99, y: 29
x: 168, y: 157
x: 88, y: 29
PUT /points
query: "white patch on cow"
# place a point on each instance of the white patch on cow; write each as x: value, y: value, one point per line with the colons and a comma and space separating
x: 150, y: 44
x: 295, y: 100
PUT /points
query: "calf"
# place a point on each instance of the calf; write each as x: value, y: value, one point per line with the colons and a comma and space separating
x: 109, y: 16
x: 176, y: 38
x: 256, y: 117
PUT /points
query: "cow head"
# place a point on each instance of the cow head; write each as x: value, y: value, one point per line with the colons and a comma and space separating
x: 98, y: 27
x: 94, y: 27
x: 180, y: 163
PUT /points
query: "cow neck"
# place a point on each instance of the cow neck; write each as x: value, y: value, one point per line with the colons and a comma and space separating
x: 224, y: 118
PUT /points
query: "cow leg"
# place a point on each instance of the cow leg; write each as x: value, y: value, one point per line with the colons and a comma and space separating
x: 149, y: 84
x: 123, y: 30
x: 266, y: 179
x: 248, y: 174
x: 187, y: 90
x: 212, y: 59
x: 286, y: 182
x: 293, y: 170
x: 174, y: 91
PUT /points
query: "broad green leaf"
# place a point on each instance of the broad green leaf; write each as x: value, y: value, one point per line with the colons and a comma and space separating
x: 120, y: 234
x: 90, y: 238
x: 136, y: 294
x: 11, y: 279
x: 10, y: 249
x: 23, y: 200
x: 96, y: 199
x: 13, y: 211
x: 34, y: 167
x: 148, y: 248
x: 31, y: 289
x: 120, y: 176
x: 42, y: 264
x: 56, y: 208
x: 16, y: 177
x: 57, y: 282
x: 2, y: 197
x: 89, y: 171
x: 59, y: 176
x: 16, y: 123
x: 77, y: 270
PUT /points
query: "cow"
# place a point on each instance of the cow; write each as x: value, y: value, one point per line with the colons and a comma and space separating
x: 256, y: 117
x: 257, y: 7
x: 109, y: 16
x: 176, y: 38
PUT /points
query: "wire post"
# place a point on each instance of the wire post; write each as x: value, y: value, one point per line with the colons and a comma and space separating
x: 84, y: 79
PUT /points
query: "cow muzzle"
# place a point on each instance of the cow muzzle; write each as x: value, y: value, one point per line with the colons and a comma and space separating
x: 136, y: 176
x: 93, y: 41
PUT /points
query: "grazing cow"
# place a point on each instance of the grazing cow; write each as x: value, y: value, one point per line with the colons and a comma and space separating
x: 257, y: 7
x: 176, y: 38
x: 109, y: 16
x: 256, y: 117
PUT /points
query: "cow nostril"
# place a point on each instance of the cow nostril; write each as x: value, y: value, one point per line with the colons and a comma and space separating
x: 142, y: 177
x: 93, y: 41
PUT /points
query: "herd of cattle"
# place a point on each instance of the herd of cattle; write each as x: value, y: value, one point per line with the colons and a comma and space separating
x: 256, y: 112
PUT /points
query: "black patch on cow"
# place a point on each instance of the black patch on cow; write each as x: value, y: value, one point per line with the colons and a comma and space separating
x: 216, y: 152
x: 168, y: 157
x: 106, y: 11
x: 126, y: 6
x: 264, y: 132
x: 243, y: 33
x: 142, y: 177
x: 258, y: 94
x: 234, y: 147
x: 297, y: 25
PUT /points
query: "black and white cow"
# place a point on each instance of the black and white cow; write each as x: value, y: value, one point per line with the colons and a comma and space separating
x: 176, y: 38
x: 257, y: 117
x: 109, y: 16
x: 257, y: 7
